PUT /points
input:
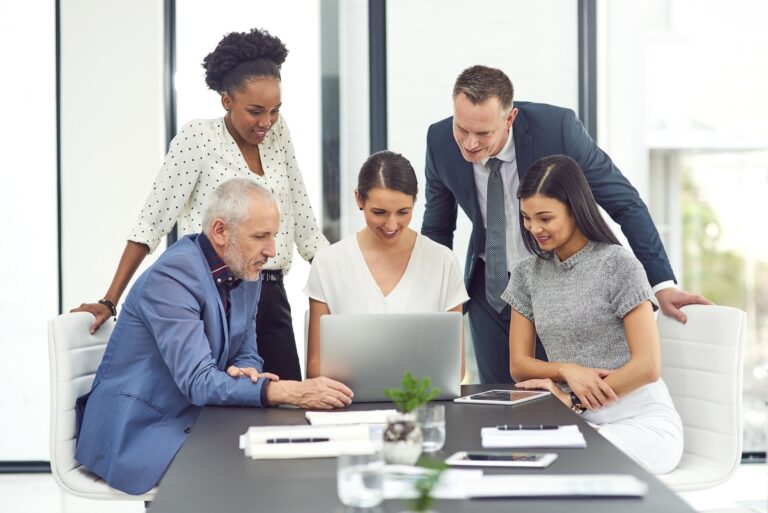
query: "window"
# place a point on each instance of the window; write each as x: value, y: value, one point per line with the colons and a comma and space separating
x: 683, y: 114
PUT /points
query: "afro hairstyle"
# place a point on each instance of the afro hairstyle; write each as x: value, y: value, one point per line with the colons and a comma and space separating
x: 240, y: 55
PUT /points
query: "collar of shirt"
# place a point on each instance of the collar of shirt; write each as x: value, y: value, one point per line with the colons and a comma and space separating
x: 507, y: 152
x: 222, y: 275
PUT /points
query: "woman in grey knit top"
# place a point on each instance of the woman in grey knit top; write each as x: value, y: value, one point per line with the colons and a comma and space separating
x: 589, y: 301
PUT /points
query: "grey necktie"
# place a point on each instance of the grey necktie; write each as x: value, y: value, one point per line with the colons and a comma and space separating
x: 496, y: 277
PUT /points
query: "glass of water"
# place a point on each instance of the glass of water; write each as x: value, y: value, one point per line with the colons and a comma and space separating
x: 431, y: 418
x: 359, y: 479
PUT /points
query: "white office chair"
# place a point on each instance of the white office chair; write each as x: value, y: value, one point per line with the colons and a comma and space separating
x: 74, y: 356
x: 702, y: 365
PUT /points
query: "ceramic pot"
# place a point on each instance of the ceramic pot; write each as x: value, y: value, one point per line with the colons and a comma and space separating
x: 402, y: 439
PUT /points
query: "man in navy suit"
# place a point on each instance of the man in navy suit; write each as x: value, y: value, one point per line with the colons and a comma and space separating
x: 186, y: 338
x: 487, y: 128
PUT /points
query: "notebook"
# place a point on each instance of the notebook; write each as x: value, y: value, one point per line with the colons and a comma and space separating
x: 371, y: 352
x: 563, y: 437
x: 287, y: 442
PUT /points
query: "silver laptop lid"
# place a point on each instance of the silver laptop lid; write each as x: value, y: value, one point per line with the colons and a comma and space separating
x: 371, y: 352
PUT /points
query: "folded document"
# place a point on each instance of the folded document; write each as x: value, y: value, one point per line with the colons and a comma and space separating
x: 563, y: 437
x: 282, y: 442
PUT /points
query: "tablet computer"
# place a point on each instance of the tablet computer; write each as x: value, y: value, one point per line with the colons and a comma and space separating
x: 503, y: 397
x: 501, y: 459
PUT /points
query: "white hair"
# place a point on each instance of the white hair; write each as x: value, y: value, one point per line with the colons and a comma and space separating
x: 231, y: 202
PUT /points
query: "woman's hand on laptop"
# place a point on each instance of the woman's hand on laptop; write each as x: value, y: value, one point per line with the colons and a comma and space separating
x: 250, y: 372
x: 316, y: 393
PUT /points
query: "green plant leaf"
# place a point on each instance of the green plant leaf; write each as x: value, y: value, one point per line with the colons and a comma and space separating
x: 414, y: 393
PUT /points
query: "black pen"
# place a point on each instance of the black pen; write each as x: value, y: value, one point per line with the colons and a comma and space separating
x: 296, y: 440
x: 525, y: 427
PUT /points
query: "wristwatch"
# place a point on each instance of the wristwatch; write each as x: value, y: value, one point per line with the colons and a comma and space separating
x: 576, y: 406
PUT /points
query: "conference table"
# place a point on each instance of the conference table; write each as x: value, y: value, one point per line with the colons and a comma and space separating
x: 211, y: 474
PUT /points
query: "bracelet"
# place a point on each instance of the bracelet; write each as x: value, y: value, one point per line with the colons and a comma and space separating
x: 109, y: 304
x: 576, y: 406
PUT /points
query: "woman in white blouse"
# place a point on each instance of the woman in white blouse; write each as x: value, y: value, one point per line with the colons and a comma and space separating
x: 251, y: 140
x: 386, y: 267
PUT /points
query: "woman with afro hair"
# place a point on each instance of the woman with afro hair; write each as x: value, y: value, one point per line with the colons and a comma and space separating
x: 251, y: 140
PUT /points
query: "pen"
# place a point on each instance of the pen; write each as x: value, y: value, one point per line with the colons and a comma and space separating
x: 296, y: 440
x: 525, y: 427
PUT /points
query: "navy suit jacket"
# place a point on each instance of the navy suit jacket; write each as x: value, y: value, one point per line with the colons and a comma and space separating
x: 166, y: 358
x: 539, y: 130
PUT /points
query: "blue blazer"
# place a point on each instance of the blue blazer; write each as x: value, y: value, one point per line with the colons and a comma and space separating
x: 540, y: 130
x: 166, y: 358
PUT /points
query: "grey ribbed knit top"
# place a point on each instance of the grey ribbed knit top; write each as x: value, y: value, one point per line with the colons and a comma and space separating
x: 578, y: 305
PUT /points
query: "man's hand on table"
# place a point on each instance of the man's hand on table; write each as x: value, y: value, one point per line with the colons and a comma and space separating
x: 316, y: 393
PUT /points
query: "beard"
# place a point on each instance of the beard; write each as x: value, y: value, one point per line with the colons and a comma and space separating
x: 238, y: 263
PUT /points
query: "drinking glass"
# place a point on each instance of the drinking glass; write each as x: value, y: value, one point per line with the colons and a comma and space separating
x: 431, y: 418
x: 359, y: 479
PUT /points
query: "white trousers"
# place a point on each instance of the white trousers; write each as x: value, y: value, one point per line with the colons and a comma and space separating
x: 645, y: 426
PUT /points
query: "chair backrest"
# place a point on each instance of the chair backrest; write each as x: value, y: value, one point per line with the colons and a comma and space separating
x: 74, y: 355
x: 702, y: 365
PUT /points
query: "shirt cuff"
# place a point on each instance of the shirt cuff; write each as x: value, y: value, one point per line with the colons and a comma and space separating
x: 669, y: 284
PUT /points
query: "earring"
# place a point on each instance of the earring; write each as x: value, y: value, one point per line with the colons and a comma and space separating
x: 360, y: 208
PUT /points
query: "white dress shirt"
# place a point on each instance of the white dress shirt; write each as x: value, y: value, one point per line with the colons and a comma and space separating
x: 516, y: 250
x: 432, y: 281
x: 201, y: 156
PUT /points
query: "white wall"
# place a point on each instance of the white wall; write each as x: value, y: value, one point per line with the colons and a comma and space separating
x: 28, y: 259
x: 112, y: 142
x: 112, y: 133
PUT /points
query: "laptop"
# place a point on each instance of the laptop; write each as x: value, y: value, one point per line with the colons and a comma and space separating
x: 371, y: 352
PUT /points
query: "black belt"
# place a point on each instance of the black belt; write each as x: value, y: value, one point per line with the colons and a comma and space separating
x: 269, y: 275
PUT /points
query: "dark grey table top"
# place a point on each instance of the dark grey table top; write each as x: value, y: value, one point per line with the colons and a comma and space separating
x: 211, y: 474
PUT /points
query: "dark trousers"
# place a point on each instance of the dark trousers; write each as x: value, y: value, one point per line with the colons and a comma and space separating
x: 274, y: 332
x: 490, y: 333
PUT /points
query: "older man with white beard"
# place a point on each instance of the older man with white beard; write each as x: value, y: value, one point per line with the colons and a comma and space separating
x: 186, y: 338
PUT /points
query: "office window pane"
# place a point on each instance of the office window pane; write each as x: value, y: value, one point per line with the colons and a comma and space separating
x: 686, y: 111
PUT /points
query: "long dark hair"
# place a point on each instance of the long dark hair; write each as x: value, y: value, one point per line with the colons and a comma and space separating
x: 560, y: 177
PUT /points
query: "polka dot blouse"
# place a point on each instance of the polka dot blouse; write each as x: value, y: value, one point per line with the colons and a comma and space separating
x: 201, y: 156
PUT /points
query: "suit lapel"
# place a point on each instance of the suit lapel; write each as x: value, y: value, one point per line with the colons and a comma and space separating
x: 467, y: 187
x: 523, y: 143
x: 219, y: 353
x: 223, y: 356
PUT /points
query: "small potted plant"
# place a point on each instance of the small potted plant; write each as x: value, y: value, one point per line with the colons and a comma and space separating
x: 402, y: 436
